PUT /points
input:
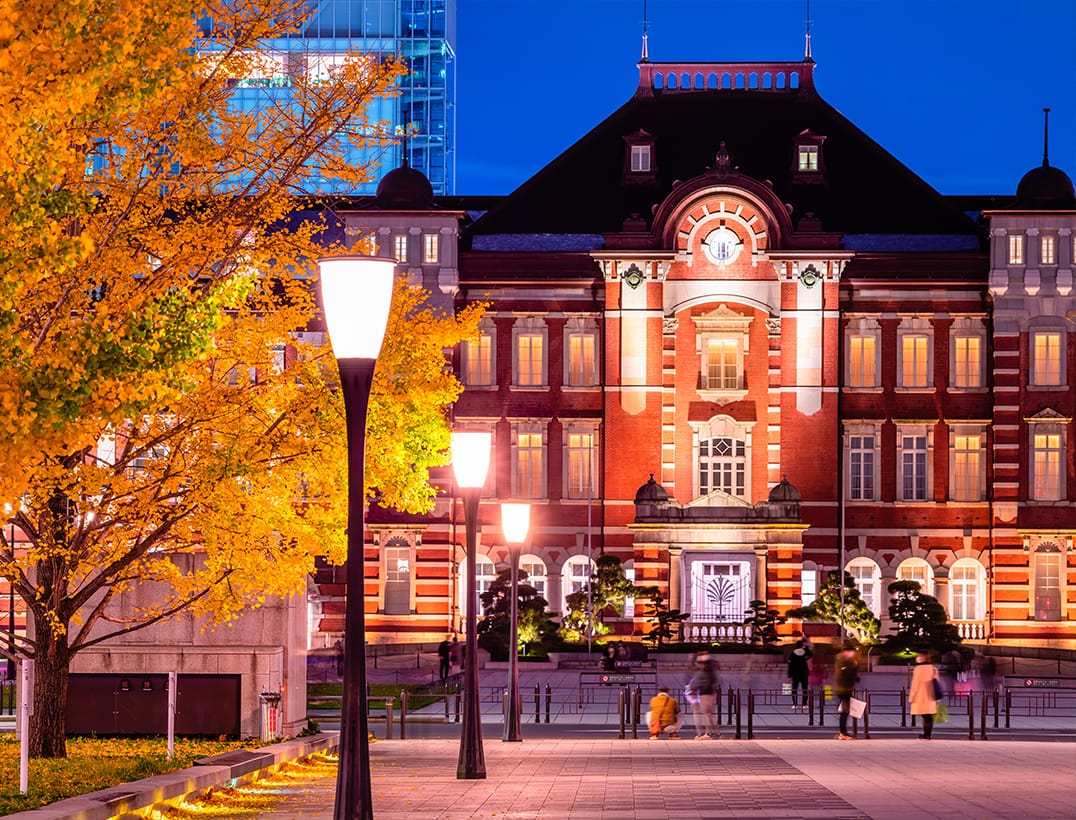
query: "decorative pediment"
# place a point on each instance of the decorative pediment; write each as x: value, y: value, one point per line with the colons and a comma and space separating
x: 1047, y: 416
x: 719, y: 498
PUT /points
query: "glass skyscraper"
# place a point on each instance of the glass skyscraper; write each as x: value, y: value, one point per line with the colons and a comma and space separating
x: 423, y: 32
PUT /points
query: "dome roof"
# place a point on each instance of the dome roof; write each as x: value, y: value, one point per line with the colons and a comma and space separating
x: 404, y: 188
x: 785, y: 492
x: 1045, y: 189
x: 651, y: 493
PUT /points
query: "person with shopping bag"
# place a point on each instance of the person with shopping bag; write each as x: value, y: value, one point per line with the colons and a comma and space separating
x: 924, y: 693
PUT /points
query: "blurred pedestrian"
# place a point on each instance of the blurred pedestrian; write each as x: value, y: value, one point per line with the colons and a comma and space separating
x: 443, y: 650
x: 455, y: 656
x: 703, y: 686
x: 664, y: 715
x: 845, y: 678
x: 923, y: 694
x: 799, y: 671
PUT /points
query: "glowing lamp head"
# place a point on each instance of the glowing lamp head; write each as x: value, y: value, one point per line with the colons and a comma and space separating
x: 470, y: 458
x: 515, y: 521
x: 356, y: 292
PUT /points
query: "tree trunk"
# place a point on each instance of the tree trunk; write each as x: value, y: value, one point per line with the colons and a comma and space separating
x: 48, y: 723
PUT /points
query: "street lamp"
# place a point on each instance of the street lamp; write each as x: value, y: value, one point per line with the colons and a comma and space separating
x: 515, y: 520
x: 470, y: 462
x: 355, y: 292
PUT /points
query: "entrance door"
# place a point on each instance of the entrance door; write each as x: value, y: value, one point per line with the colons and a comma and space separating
x: 720, y: 591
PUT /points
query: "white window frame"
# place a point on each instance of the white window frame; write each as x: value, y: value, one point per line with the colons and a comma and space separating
x: 575, y: 574
x: 722, y: 427
x: 915, y: 456
x: 1016, y: 249
x: 1047, y: 360
x: 485, y: 573
x: 856, y: 445
x: 808, y: 586
x: 1047, y: 581
x: 863, y: 367
x: 727, y: 326
x: 918, y: 570
x: 915, y: 328
x: 529, y: 459
x: 537, y: 573
x: 967, y: 369
x: 527, y: 332
x: 808, y: 155
x: 579, y: 332
x: 480, y: 356
x: 1048, y: 450
x: 868, y: 579
x: 1048, y: 249
x: 399, y: 247
x: 580, y: 458
x: 431, y: 248
x: 967, y: 590
x: 641, y: 158
x: 395, y: 551
x: 967, y: 462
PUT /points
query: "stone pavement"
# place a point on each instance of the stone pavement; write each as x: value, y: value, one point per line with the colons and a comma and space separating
x: 601, y: 778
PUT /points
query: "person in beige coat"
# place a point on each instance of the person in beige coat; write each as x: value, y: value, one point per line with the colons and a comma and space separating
x: 921, y: 695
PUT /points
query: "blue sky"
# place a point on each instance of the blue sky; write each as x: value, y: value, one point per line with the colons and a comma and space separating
x: 953, y: 88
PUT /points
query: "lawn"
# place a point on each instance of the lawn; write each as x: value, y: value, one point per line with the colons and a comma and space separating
x: 97, y: 763
x: 328, y: 695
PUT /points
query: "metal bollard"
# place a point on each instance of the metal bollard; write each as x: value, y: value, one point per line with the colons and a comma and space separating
x: 821, y: 707
x: 730, y: 706
x: 750, y: 715
x: 620, y: 711
x: 971, y: 716
x: 636, y: 706
x: 504, y: 705
x: 388, y: 718
x: 537, y: 703
x: 548, y: 701
x: 459, y: 700
x: 903, y: 707
x: 739, y: 735
x: 983, y: 709
x: 717, y: 703
x: 403, y: 714
x: 867, y: 717
x: 446, y: 703
x: 996, y: 699
x: 810, y: 707
x: 1008, y: 707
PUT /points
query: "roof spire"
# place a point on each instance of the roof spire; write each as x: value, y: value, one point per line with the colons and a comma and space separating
x: 1046, y: 137
x: 645, y: 57
x: 807, y: 55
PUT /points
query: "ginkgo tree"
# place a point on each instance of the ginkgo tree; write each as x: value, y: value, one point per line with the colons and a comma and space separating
x: 165, y: 417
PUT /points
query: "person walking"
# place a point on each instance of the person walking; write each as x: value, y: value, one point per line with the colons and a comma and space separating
x: 443, y: 650
x: 922, y: 695
x: 799, y: 671
x: 845, y: 677
x: 664, y: 715
x: 455, y: 656
x: 703, y: 686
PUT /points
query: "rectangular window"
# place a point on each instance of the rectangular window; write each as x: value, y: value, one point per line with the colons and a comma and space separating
x: 640, y: 159
x: 967, y: 468
x: 861, y: 468
x: 808, y: 587
x: 722, y: 364
x: 582, y: 368
x: 399, y: 247
x: 529, y: 358
x: 1047, y: 466
x: 914, y: 468
x: 1048, y: 586
x: 862, y: 362
x: 1016, y: 249
x: 808, y: 156
x: 967, y: 361
x: 723, y: 466
x: 964, y: 593
x: 529, y: 465
x: 1047, y: 251
x: 430, y: 248
x: 1046, y: 364
x: 581, y: 475
x: 397, y: 581
x: 914, y: 362
x: 478, y: 360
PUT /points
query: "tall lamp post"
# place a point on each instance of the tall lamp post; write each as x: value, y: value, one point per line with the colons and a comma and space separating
x: 356, y: 292
x: 470, y: 462
x: 515, y: 521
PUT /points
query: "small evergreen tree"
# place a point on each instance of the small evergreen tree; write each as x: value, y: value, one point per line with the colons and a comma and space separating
x: 609, y: 589
x: 855, y: 614
x: 920, y: 622
x: 664, y: 622
x: 763, y: 622
x: 533, y: 625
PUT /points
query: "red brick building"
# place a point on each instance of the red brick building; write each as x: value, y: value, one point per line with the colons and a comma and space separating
x: 735, y: 343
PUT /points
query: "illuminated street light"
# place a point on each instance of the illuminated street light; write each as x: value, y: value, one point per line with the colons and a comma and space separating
x: 470, y: 463
x: 515, y: 521
x: 356, y: 292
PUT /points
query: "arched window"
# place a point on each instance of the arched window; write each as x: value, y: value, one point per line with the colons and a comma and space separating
x: 967, y: 590
x: 574, y: 577
x: 484, y: 575
x: 629, y: 574
x: 535, y: 569
x: 1047, y: 569
x: 868, y: 579
x: 918, y: 570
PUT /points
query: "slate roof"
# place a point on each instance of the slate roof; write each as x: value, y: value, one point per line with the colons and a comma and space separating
x: 867, y: 190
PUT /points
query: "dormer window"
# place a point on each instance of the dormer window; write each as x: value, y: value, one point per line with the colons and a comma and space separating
x: 639, y: 164
x: 807, y: 161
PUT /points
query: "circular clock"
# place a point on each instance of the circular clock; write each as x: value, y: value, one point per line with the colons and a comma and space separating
x: 722, y: 245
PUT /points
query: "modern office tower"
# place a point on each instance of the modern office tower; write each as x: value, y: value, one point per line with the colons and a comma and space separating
x: 423, y: 32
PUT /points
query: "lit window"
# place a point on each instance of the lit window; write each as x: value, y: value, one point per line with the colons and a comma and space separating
x: 1047, y: 251
x: 861, y: 461
x: 862, y: 371
x: 530, y: 352
x: 1047, y: 454
x: 478, y: 358
x: 914, y: 359
x: 965, y: 590
x: 485, y: 572
x: 1046, y: 359
x: 808, y: 586
x: 918, y: 570
x: 581, y: 342
x: 1047, y: 583
x: 528, y: 456
x: 723, y: 364
x: 967, y: 361
x: 868, y: 580
x: 399, y: 247
x: 808, y: 158
x: 967, y: 466
x: 723, y: 466
x: 723, y: 338
x: 913, y: 467
x: 430, y: 248
x: 397, y: 580
x: 581, y: 477
x: 1016, y: 249
x: 574, y: 577
x: 534, y: 567
x: 640, y: 158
